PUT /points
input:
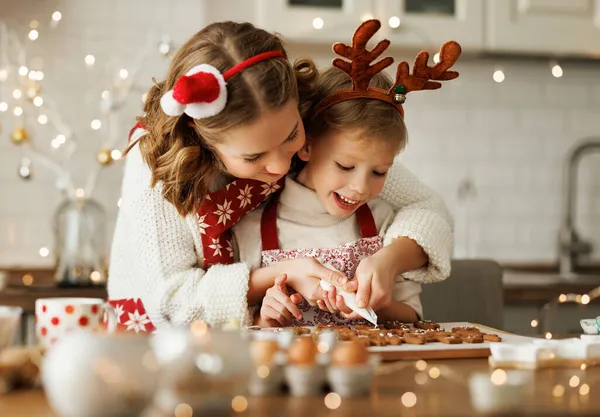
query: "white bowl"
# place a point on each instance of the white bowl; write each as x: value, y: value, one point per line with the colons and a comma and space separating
x: 97, y: 375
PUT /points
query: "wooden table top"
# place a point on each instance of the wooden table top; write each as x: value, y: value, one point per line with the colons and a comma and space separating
x: 446, y: 395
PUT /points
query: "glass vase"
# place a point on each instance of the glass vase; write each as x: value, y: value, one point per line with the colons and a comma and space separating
x: 80, y: 243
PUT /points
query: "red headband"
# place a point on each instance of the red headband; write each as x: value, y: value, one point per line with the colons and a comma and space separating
x: 202, y: 91
x: 361, y: 72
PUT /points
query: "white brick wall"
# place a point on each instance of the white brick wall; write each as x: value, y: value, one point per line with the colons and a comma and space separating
x: 508, y: 139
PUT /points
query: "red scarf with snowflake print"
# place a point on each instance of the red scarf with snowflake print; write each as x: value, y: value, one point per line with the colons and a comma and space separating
x: 224, y: 208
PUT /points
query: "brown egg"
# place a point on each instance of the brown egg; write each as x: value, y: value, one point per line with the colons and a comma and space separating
x: 263, y: 352
x: 350, y: 353
x: 303, y: 351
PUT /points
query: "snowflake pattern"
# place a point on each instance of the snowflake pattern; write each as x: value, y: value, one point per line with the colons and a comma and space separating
x: 245, y: 196
x: 229, y: 248
x: 269, y: 189
x: 344, y: 258
x: 119, y: 311
x: 224, y: 212
x: 137, y: 322
x: 202, y: 225
x: 216, y: 246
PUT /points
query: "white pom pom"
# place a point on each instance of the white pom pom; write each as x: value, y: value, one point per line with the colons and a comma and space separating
x: 170, y: 106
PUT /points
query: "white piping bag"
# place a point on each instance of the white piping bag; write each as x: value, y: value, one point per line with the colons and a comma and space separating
x: 350, y: 300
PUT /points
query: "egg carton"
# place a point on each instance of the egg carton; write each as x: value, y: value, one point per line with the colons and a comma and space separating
x: 281, y: 367
x: 541, y: 353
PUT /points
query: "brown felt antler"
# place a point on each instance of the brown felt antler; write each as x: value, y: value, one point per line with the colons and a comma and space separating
x: 361, y: 71
x: 424, y: 77
x: 359, y: 68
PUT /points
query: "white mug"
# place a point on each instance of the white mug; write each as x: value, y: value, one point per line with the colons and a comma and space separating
x: 56, y: 317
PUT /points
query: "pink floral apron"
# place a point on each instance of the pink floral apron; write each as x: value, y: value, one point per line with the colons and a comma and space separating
x: 344, y: 258
x: 219, y: 211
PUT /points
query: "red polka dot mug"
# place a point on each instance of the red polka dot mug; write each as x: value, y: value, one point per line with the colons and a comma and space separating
x: 56, y: 317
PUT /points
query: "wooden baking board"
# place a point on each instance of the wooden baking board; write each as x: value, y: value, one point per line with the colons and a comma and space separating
x: 437, y: 350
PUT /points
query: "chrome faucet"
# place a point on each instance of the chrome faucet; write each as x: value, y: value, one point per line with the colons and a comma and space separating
x: 570, y: 245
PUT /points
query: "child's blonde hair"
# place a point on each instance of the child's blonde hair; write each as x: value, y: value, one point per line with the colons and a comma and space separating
x: 377, y: 118
x: 179, y: 150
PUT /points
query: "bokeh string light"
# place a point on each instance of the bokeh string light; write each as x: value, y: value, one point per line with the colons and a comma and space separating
x: 22, y: 94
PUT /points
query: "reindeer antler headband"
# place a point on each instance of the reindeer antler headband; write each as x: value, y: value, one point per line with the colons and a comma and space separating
x: 359, y: 69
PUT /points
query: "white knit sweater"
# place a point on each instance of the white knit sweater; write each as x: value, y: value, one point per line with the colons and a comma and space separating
x: 156, y: 254
x: 309, y: 225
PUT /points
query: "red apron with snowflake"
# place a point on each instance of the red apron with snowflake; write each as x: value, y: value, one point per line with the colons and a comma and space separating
x: 344, y: 258
x: 219, y: 211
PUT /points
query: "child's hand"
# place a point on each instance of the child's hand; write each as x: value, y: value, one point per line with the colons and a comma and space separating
x: 375, y: 278
x: 334, y: 303
x: 278, y: 308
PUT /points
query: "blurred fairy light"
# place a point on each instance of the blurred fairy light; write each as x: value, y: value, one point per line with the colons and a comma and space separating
x: 557, y: 71
x: 38, y: 101
x: 394, y: 22
x: 79, y: 193
x: 42, y: 119
x: 18, y: 111
x: 421, y: 365
x: 123, y: 74
x: 36, y: 75
x: 434, y: 373
x: 25, y: 169
x: 56, y: 16
x: 409, y: 399
x: 90, y: 60
x: 574, y: 381
x: 3, y: 106
x: 96, y: 124
x: 558, y: 391
x: 436, y: 58
x: 23, y: 71
x: 333, y: 401
x: 3, y: 74
x: 534, y: 323
x: 34, y: 24
x: 318, y: 23
x: 33, y: 34
x: 17, y: 94
x: 499, y: 377
x: 548, y: 335
x: 498, y: 76
x: 239, y: 404
x: 105, y: 95
x: 44, y: 252
x: 115, y: 154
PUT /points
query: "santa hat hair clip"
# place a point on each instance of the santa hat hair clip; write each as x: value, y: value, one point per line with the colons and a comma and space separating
x: 202, y: 91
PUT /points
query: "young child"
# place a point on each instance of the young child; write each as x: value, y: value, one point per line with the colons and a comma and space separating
x: 353, y: 136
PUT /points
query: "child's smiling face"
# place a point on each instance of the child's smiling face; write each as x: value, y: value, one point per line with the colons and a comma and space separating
x: 346, y: 168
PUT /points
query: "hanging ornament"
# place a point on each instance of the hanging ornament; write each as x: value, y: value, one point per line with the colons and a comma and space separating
x: 19, y: 136
x: 104, y: 157
x: 25, y: 169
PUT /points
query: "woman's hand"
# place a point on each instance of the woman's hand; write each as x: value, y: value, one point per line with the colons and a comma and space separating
x: 278, y: 308
x: 334, y: 303
x: 304, y: 276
